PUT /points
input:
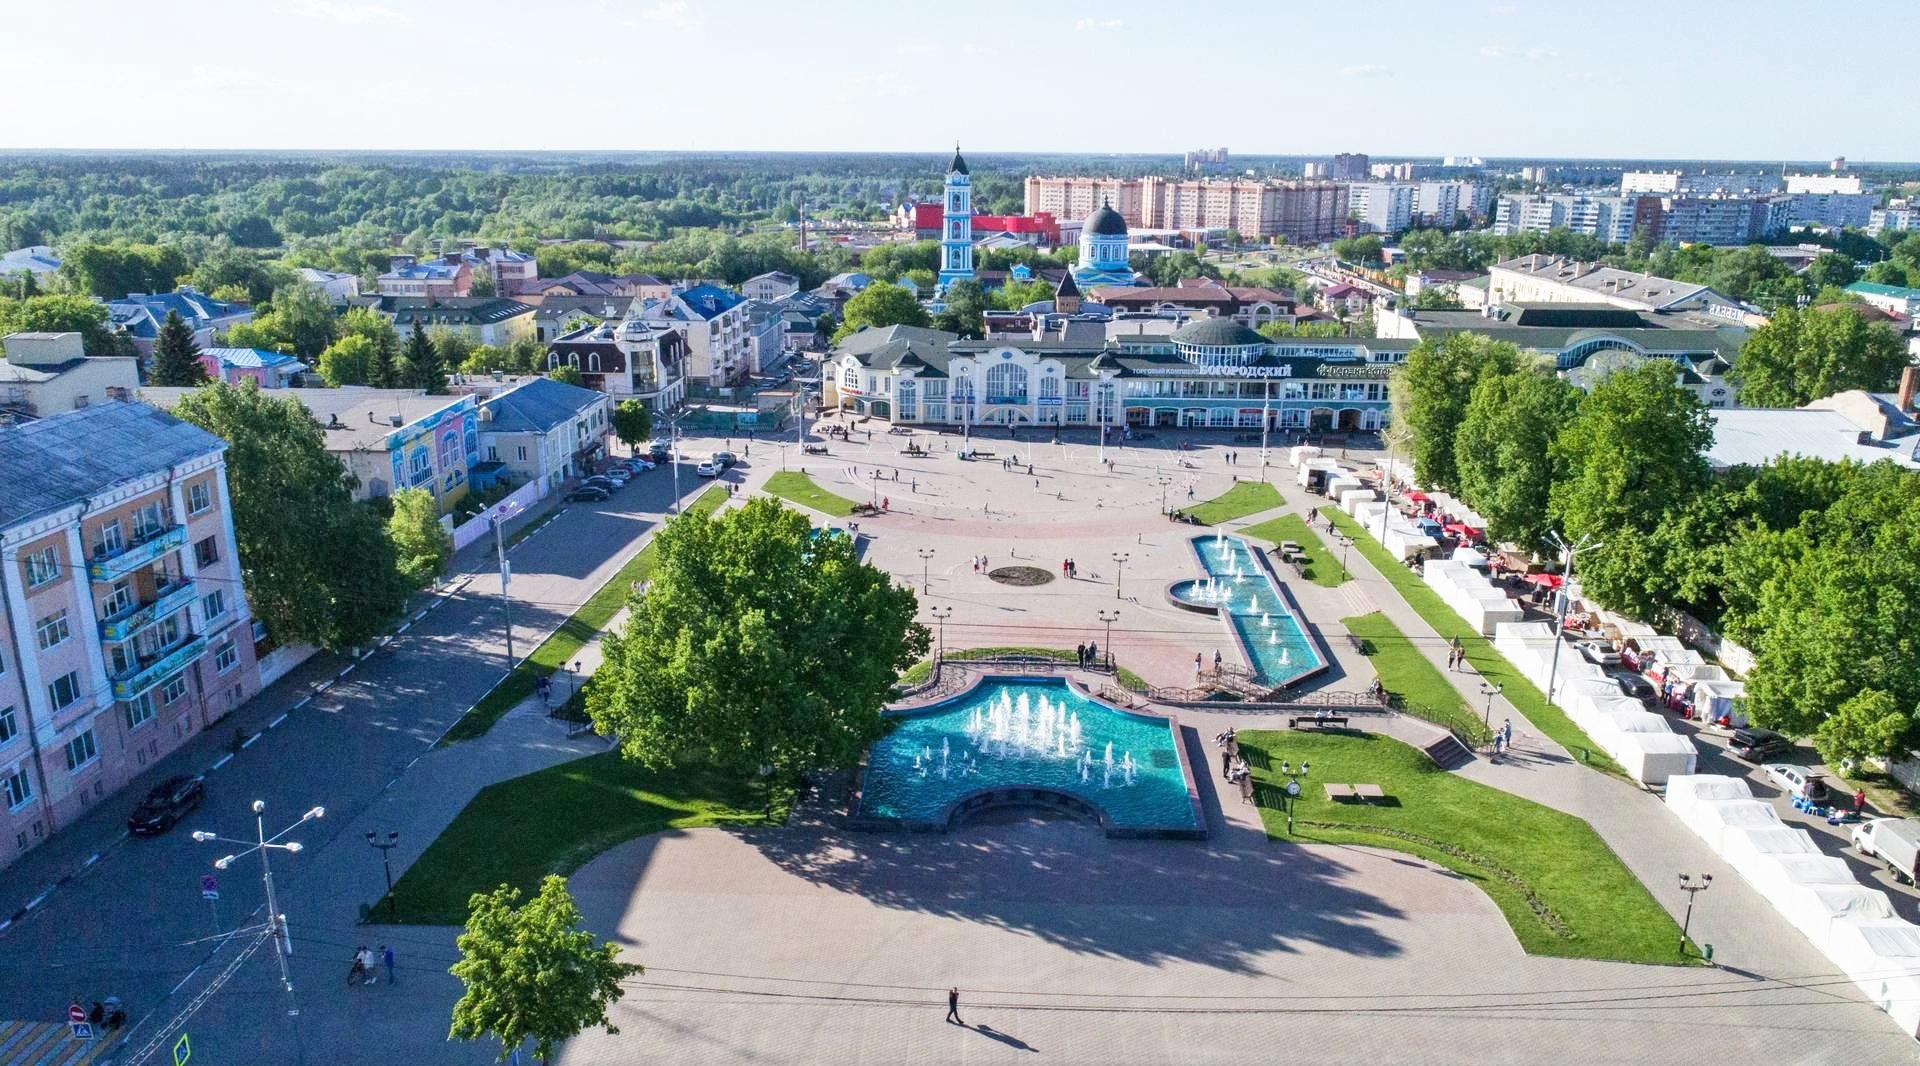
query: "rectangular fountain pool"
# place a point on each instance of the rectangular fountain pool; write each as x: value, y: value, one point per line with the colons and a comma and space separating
x: 1239, y: 585
x: 1035, y: 742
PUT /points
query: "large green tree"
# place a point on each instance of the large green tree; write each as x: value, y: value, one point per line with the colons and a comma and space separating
x: 633, y: 422
x: 420, y: 542
x: 421, y: 367
x: 1017, y: 294
x: 880, y: 305
x: 758, y: 643
x: 1430, y: 393
x: 60, y: 313
x: 1801, y: 355
x: 176, y: 356
x: 347, y: 361
x: 1636, y: 450
x: 531, y: 972
x: 1503, y: 449
x: 318, y: 565
x: 966, y: 305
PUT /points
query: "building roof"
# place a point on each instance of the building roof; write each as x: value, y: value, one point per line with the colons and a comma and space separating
x: 141, y: 314
x: 1105, y: 222
x: 959, y: 165
x: 64, y: 459
x: 36, y: 259
x: 363, y: 414
x: 1874, y: 288
x: 456, y: 310
x: 536, y: 407
x: 709, y: 301
x: 780, y: 276
x: 250, y: 358
x: 1216, y: 332
x: 1648, y: 290
x: 1753, y: 436
x: 318, y: 276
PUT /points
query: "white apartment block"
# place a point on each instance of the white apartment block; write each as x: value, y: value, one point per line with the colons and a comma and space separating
x: 1824, y: 183
x: 1607, y: 217
x: 1383, y: 207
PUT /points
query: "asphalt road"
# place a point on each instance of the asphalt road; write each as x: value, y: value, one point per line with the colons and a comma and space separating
x: 134, y: 923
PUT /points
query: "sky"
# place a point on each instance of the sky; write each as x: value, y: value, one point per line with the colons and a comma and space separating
x: 1680, y: 79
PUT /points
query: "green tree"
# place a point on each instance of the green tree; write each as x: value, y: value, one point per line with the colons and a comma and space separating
x: 567, y: 375
x: 56, y: 313
x: 1430, y: 393
x: 453, y: 347
x: 483, y: 284
x: 421, y: 368
x: 880, y: 305
x: 384, y: 370
x: 421, y: 544
x: 632, y: 422
x: 306, y: 317
x: 532, y: 973
x: 1502, y: 450
x: 965, y: 311
x: 111, y: 271
x: 317, y: 564
x: 1364, y: 250
x: 347, y: 361
x: 176, y: 357
x: 1831, y: 270
x: 1635, y: 451
x: 1017, y: 294
x: 1802, y: 355
x: 758, y: 643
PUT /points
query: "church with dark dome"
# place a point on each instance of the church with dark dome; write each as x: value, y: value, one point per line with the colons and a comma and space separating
x: 1103, y: 250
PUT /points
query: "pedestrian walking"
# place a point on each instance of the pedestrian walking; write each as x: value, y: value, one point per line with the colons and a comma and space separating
x: 1216, y: 660
x: 365, y: 959
x: 386, y: 959
x: 1859, y: 803
x: 1226, y: 764
x: 1197, y: 668
x: 1080, y: 653
x: 953, y: 1006
x: 1506, y: 731
x: 913, y: 485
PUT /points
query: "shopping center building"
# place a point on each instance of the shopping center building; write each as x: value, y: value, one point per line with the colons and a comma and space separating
x: 1209, y: 372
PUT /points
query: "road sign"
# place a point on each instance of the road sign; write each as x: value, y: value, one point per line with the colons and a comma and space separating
x: 75, y: 1012
x: 83, y: 1030
x: 182, y: 1051
x: 209, y: 888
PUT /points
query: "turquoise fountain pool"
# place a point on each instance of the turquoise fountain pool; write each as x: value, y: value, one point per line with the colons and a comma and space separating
x: 1011, y: 740
x: 1239, y: 585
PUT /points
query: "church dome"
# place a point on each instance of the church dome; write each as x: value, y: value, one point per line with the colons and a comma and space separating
x: 1106, y: 222
x: 1216, y: 333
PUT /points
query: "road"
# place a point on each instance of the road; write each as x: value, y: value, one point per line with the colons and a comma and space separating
x: 134, y: 924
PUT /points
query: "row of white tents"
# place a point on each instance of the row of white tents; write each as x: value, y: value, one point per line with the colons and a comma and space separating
x: 1463, y: 587
x: 1853, y: 925
x: 1641, y: 741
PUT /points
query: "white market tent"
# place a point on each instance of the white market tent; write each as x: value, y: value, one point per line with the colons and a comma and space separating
x: 1300, y: 453
x: 1473, y: 557
x: 1351, y: 497
x: 1883, y: 958
x: 1713, y: 820
x: 1328, y: 467
x: 1651, y: 758
x: 1752, y: 851
x: 1816, y: 909
x: 1340, y: 484
x: 1711, y: 699
x: 1685, y: 790
x: 1772, y: 874
x: 1405, y: 542
x: 1368, y: 515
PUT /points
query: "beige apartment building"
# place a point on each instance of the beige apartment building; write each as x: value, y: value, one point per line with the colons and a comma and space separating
x: 126, y: 629
x: 1300, y: 211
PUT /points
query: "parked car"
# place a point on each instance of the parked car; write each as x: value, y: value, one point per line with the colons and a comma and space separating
x: 1797, y: 780
x: 601, y: 481
x: 638, y: 463
x: 588, y: 494
x: 166, y: 804
x: 1894, y: 841
x: 708, y: 469
x: 1756, y: 744
x: 1598, y: 653
x: 619, y: 475
x: 725, y: 460
x: 1635, y: 686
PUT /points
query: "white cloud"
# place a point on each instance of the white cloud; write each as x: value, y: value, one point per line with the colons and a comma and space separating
x: 1097, y: 25
x: 670, y: 12
x: 1366, y: 70
x: 354, y: 13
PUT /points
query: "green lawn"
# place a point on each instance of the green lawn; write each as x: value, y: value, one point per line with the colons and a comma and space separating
x: 1411, y: 676
x: 1517, y: 690
x: 798, y: 487
x: 554, y: 821
x: 558, y: 649
x: 923, y: 669
x: 1248, y: 497
x: 1322, y: 565
x: 1562, y: 890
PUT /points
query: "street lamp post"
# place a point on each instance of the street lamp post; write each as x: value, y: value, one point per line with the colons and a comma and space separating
x: 1120, y: 571
x: 1108, y: 618
x: 1490, y: 691
x: 1345, y: 543
x: 1266, y: 416
x: 1692, y: 888
x: 1571, y: 551
x: 386, y: 861
x: 940, y: 616
x: 1293, y: 787
x: 926, y: 569
x: 500, y: 517
x: 262, y: 843
x: 1164, y: 481
x: 1395, y: 438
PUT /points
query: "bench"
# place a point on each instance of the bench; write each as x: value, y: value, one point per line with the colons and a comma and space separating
x: 1318, y: 721
x: 1369, y: 793
x: 1358, y: 644
x: 1339, y: 793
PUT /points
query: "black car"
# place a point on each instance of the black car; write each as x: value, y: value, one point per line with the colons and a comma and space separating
x: 1635, y: 686
x: 588, y: 494
x: 725, y: 460
x: 169, y: 801
x: 1755, y: 745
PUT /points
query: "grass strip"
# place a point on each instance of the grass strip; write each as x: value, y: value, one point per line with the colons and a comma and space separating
x: 1562, y: 890
x: 920, y: 671
x: 1248, y: 497
x: 798, y: 487
x: 1319, y: 564
x: 1422, y: 690
x: 1518, y: 690
x: 554, y: 821
x: 558, y: 649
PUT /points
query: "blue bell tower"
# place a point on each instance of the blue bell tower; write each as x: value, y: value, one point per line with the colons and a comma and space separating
x: 956, y: 224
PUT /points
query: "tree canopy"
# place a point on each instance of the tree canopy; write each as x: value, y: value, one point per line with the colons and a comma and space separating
x: 879, y: 305
x: 1801, y: 355
x: 1503, y: 449
x: 1430, y: 393
x: 632, y: 422
x: 420, y: 543
x: 176, y: 356
x: 758, y: 643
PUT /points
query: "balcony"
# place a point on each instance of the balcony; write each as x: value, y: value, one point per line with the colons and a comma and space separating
x: 151, y: 671
x: 137, y: 554
x: 123, y: 625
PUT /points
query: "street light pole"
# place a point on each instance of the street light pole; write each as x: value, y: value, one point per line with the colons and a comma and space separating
x: 1395, y: 438
x: 276, y: 921
x: 926, y: 555
x: 1120, y: 571
x: 1293, y: 787
x: 673, y: 455
x: 1692, y: 888
x: 1108, y: 618
x: 940, y: 616
x: 1490, y: 691
x: 1164, y: 482
x: 386, y: 861
x: 1571, y: 551
x: 1266, y: 416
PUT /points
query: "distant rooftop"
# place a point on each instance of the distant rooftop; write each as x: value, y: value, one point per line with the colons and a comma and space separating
x: 62, y: 460
x: 364, y: 415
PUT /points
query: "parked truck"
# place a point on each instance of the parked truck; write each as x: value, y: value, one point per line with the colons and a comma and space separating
x: 1894, y: 841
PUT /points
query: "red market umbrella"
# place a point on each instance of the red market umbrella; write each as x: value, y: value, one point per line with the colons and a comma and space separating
x: 1417, y: 496
x: 1462, y: 528
x: 1546, y: 581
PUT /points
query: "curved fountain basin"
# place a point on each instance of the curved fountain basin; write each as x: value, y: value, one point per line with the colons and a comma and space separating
x: 990, y: 766
x: 1240, y: 585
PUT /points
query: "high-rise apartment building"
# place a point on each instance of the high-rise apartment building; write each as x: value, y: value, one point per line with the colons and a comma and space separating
x: 1608, y: 217
x: 126, y: 628
x: 1298, y: 210
x: 1349, y: 166
x: 1383, y: 207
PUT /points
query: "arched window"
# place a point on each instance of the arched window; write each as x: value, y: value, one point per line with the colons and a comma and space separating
x: 593, y: 362
x: 1007, y: 383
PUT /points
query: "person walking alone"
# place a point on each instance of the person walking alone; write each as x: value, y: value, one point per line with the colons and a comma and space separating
x: 386, y: 959
x: 953, y: 1006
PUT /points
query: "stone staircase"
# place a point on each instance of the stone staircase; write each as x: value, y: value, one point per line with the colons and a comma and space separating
x: 1448, y: 753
